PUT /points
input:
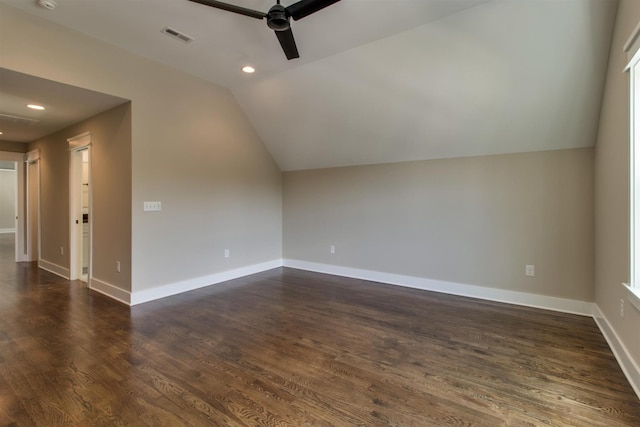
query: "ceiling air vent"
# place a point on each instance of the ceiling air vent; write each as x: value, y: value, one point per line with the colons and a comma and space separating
x: 17, y: 120
x: 177, y: 35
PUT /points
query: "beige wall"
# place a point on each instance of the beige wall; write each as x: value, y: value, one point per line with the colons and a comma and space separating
x: 111, y: 185
x: 192, y: 149
x: 474, y: 221
x: 8, y: 185
x: 13, y: 147
x: 611, y: 187
x: 54, y: 197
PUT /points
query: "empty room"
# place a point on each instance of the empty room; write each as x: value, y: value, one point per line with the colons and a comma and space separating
x: 319, y: 213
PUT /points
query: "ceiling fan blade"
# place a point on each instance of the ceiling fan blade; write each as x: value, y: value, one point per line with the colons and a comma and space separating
x: 306, y: 7
x: 288, y: 43
x: 232, y: 8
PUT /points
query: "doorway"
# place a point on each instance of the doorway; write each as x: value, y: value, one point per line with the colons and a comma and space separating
x: 33, y: 207
x: 8, y: 210
x: 80, y: 208
x: 20, y: 235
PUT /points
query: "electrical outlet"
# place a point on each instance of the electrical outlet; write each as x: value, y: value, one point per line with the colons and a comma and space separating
x: 622, y: 307
x: 530, y: 270
x: 61, y: 250
x: 118, y: 266
x: 332, y: 249
x: 227, y: 253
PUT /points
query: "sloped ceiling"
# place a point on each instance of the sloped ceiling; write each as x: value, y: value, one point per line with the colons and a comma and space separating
x: 384, y: 80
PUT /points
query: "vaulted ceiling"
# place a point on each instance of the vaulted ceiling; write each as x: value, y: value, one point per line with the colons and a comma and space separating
x: 383, y: 80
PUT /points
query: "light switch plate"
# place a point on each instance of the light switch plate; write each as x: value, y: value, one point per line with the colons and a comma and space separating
x: 152, y: 206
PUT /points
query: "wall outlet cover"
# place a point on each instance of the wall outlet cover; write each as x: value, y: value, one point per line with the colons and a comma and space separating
x: 530, y: 270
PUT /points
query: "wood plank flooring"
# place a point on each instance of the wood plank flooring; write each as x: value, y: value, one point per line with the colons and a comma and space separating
x: 293, y: 348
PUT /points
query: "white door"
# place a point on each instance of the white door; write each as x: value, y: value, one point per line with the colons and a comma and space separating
x: 80, y: 208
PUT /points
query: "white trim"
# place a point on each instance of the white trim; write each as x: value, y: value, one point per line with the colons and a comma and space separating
x: 634, y: 170
x: 622, y: 355
x: 632, y: 61
x: 20, y: 243
x: 79, y: 142
x: 32, y: 156
x: 200, y: 282
x: 110, y: 290
x: 563, y: 305
x: 7, y: 230
x: 54, y: 268
x: 31, y: 253
x: 629, y: 367
x: 633, y: 295
x: 632, y: 38
x: 21, y: 223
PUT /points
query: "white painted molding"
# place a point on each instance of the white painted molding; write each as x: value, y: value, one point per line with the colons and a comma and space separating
x: 79, y: 142
x: 563, y: 305
x: 7, y: 230
x: 627, y: 364
x: 32, y: 156
x: 54, y: 268
x: 633, y: 295
x: 622, y: 355
x: 110, y: 290
x: 200, y: 282
x: 632, y: 38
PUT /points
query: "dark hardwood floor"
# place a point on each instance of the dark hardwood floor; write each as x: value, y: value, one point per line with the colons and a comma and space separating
x: 292, y: 348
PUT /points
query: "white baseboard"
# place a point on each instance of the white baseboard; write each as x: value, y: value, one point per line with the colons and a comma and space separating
x: 626, y: 362
x: 629, y: 367
x: 564, y: 305
x: 622, y: 355
x: 54, y: 268
x: 110, y: 290
x: 7, y: 230
x: 200, y: 282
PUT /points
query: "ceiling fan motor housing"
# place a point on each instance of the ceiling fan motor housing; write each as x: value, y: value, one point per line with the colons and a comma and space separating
x: 277, y: 18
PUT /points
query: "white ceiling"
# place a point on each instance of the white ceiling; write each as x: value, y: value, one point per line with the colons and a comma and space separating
x: 384, y: 80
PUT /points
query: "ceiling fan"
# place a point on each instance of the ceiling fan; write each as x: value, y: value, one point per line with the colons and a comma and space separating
x: 277, y: 18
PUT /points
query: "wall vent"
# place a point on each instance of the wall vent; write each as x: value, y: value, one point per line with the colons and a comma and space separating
x: 177, y: 35
x: 17, y: 120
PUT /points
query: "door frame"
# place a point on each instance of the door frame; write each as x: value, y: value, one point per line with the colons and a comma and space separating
x: 32, y: 157
x: 20, y: 236
x: 77, y: 144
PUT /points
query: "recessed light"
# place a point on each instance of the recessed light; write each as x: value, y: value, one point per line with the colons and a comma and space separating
x: 0, y: 133
x: 35, y: 107
x: 248, y: 69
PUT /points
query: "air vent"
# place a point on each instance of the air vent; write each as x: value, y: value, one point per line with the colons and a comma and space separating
x: 177, y: 35
x: 16, y: 120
